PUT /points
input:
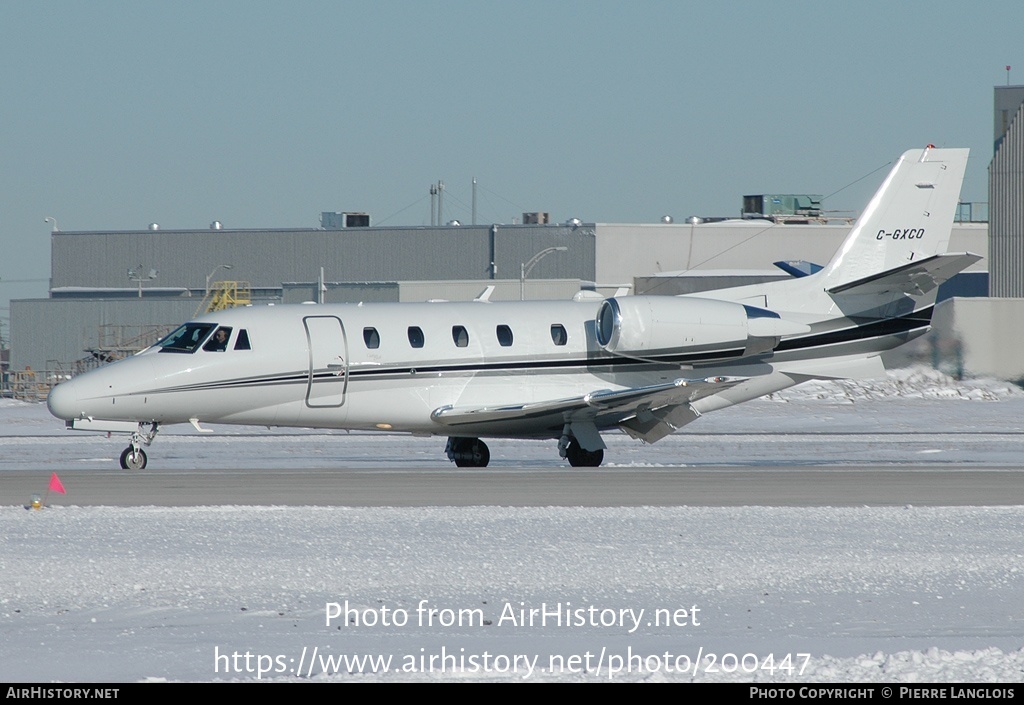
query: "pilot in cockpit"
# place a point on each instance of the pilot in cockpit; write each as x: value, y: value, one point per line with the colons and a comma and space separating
x: 219, y: 341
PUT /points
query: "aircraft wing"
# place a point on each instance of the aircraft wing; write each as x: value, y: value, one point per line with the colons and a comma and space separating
x: 914, y: 278
x: 649, y: 413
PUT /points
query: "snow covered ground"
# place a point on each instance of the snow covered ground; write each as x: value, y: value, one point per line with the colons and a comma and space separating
x: 626, y: 594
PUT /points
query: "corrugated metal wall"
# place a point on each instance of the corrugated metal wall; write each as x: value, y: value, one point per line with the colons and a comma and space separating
x: 289, y: 259
x: 48, y: 330
x: 266, y: 258
x: 504, y: 290
x: 1006, y: 212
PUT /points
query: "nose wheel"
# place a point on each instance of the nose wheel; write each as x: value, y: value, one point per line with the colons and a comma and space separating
x: 133, y: 458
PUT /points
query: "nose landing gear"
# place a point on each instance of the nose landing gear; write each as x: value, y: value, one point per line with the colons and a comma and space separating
x: 133, y: 457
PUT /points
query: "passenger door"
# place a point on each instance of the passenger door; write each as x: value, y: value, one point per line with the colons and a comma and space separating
x: 328, y: 361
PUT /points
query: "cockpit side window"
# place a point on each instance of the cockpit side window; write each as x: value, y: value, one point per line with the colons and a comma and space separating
x: 185, y: 338
x: 219, y: 341
x: 242, y: 342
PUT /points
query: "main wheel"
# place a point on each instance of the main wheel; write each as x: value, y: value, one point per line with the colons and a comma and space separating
x: 470, y: 452
x: 132, y: 459
x: 580, y: 458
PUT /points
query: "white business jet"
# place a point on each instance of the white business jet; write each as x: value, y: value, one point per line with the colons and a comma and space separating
x: 559, y: 370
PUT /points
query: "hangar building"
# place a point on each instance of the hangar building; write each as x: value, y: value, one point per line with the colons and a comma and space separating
x: 111, y: 292
x: 114, y: 291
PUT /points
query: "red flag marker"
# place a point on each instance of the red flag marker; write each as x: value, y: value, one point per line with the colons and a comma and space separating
x: 56, y: 485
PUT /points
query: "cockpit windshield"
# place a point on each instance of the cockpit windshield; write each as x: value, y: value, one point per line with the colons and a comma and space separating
x: 187, y: 338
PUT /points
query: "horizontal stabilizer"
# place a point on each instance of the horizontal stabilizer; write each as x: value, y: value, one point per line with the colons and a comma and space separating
x: 913, y: 278
x: 798, y: 268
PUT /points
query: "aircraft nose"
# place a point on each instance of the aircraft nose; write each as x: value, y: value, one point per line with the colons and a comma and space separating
x: 63, y: 400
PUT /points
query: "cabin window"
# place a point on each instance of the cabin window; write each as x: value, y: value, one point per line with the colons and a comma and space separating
x: 186, y: 338
x: 415, y: 336
x: 219, y: 341
x: 242, y: 342
x: 371, y: 337
x: 504, y: 336
x: 461, y: 336
x: 558, y: 334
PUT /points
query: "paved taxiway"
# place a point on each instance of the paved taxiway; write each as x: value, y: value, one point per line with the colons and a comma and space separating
x: 889, y: 451
x: 529, y: 487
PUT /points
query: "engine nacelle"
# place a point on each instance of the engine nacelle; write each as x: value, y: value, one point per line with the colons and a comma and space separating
x: 659, y: 325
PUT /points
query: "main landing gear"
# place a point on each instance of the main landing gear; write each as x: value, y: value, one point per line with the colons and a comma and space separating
x: 578, y: 457
x: 468, y: 452
x: 473, y: 453
x: 133, y: 457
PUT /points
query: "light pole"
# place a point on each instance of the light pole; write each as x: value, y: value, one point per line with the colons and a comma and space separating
x: 210, y: 276
x: 51, y: 219
x: 138, y: 276
x: 524, y: 268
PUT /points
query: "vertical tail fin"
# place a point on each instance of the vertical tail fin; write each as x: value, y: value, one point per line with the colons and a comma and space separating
x: 909, y: 217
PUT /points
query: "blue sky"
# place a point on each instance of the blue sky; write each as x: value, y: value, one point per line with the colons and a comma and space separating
x: 114, y: 115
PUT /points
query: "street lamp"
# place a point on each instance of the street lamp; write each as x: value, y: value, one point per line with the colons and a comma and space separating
x: 138, y: 276
x: 51, y: 219
x: 210, y: 276
x: 524, y: 268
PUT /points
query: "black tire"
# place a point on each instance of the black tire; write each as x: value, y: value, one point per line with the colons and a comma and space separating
x: 133, y: 460
x: 580, y: 458
x: 471, y: 453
